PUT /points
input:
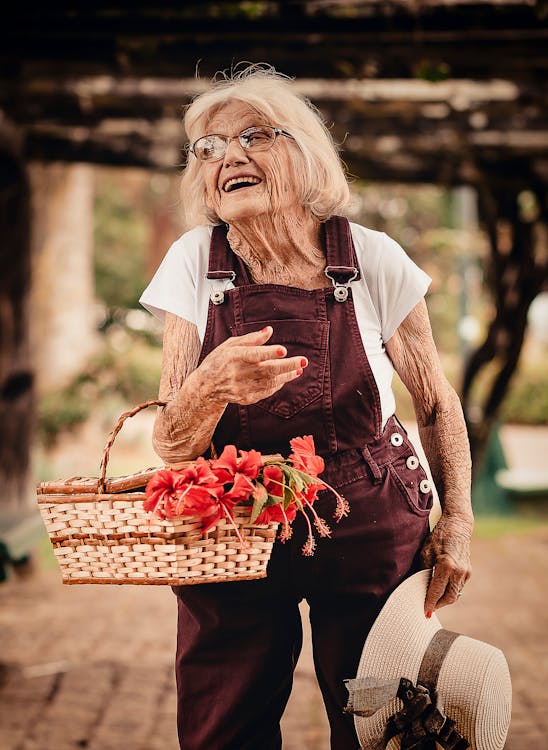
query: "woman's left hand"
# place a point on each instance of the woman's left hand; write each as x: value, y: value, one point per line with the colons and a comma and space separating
x: 447, y: 551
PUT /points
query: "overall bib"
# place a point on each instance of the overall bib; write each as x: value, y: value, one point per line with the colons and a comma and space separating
x: 238, y: 643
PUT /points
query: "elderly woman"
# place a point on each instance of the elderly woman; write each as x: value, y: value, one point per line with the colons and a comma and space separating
x: 282, y: 319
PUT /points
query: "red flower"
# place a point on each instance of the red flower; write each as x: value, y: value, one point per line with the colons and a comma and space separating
x: 241, y: 489
x: 194, y: 500
x: 221, y: 509
x: 273, y: 480
x: 276, y: 514
x: 161, y: 492
x: 209, y: 490
x: 310, y: 493
x: 229, y: 464
x: 304, y: 456
x: 199, y: 472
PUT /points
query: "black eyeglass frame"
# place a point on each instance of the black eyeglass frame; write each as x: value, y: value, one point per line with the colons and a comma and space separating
x: 227, y: 139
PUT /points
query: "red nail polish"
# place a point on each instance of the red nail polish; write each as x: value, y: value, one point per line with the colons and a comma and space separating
x: 429, y: 615
x: 299, y: 372
x: 304, y: 362
x: 281, y: 351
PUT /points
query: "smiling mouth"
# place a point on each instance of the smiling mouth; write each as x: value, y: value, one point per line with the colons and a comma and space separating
x: 237, y: 183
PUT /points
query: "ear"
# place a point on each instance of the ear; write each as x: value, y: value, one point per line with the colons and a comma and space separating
x: 212, y: 217
x: 207, y: 199
x: 210, y: 202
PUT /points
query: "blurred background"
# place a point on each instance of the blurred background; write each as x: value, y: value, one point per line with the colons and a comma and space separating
x: 439, y: 107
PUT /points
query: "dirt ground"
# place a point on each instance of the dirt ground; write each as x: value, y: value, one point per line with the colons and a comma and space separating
x: 92, y: 666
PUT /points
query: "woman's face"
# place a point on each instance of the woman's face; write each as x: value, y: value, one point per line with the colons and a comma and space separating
x: 272, y: 187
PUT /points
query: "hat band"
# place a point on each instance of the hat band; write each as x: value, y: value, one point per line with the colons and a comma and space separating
x: 434, y: 656
x: 422, y: 720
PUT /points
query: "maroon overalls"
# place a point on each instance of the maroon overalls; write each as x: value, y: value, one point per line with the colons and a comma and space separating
x: 238, y: 643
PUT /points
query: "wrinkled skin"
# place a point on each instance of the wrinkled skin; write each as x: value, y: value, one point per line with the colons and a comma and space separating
x: 444, y: 438
x: 279, y: 241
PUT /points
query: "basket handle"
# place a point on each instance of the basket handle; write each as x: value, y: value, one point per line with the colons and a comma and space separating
x: 112, y: 436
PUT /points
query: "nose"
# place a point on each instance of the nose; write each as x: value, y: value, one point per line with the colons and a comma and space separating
x: 235, y: 154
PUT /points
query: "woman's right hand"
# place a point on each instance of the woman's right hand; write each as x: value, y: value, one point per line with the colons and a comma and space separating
x: 242, y: 370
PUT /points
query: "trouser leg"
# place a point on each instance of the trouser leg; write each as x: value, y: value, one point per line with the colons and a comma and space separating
x: 237, y: 648
x: 338, y: 634
x: 348, y: 582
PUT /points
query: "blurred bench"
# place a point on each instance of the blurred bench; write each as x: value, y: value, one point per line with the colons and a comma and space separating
x: 20, y: 531
x: 527, y: 488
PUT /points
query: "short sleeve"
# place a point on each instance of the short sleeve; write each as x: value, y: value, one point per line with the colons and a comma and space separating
x: 174, y: 288
x: 400, y: 285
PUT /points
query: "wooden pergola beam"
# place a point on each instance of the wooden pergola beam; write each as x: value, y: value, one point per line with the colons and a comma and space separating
x: 387, y: 39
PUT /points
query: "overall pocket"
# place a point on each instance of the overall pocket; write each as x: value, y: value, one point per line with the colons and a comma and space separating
x: 412, y: 482
x: 307, y: 338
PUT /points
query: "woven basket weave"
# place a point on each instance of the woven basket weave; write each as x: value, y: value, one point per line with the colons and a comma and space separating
x: 101, y: 534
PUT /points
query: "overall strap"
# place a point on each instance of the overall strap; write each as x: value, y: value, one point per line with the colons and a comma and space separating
x: 223, y: 263
x: 342, y: 264
x: 224, y: 266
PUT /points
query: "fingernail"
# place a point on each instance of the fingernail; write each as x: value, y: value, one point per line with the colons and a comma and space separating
x: 265, y: 329
x: 429, y: 615
x: 304, y: 362
x: 299, y: 372
x: 280, y: 351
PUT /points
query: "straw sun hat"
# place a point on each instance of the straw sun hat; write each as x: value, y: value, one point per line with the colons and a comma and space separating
x: 455, y: 689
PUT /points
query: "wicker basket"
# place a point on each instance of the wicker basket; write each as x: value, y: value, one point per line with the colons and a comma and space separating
x: 101, y: 534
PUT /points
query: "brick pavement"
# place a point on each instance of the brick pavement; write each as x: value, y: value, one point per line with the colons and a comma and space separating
x: 91, y: 666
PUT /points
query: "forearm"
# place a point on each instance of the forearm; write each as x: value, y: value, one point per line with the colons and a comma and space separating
x: 184, y: 428
x: 444, y: 439
x: 438, y: 410
x: 447, y: 549
x: 443, y: 435
x: 240, y: 370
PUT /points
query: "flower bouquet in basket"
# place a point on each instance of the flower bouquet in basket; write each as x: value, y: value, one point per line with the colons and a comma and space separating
x: 270, y: 489
x: 213, y: 520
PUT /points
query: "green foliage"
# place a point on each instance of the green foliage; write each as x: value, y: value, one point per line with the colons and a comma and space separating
x: 131, y: 375
x: 120, y: 245
x: 527, y: 399
x: 421, y: 219
x: 59, y: 411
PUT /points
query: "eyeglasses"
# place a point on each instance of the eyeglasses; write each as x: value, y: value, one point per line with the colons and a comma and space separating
x: 213, y: 147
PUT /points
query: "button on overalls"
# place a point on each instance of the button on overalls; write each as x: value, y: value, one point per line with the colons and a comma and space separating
x: 238, y: 643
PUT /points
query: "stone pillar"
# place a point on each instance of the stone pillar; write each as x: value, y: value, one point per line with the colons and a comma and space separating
x: 63, y: 326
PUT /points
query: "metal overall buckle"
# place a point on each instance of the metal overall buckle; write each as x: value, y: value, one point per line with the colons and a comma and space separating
x: 217, y: 296
x: 341, y: 288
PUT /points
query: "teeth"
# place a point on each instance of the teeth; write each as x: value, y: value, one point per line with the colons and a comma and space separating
x: 249, y: 179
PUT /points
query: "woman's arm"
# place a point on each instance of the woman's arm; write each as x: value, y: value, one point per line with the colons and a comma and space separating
x: 184, y: 427
x: 444, y: 438
x: 241, y: 370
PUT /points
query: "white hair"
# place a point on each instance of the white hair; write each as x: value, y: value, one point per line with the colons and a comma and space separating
x: 318, y: 171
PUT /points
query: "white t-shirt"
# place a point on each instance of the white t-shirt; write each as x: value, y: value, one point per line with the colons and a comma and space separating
x: 390, y: 287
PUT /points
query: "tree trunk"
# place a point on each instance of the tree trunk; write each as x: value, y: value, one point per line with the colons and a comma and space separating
x: 516, y: 272
x: 16, y: 377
